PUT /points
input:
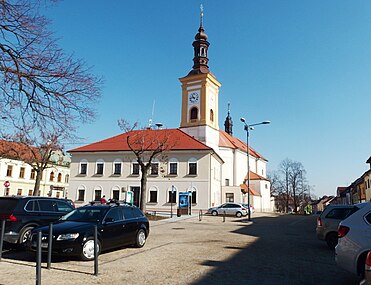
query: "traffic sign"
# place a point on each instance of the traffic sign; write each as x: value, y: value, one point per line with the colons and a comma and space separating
x: 7, y: 184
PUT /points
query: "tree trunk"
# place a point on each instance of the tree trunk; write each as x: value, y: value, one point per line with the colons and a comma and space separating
x: 36, y: 190
x: 143, y: 188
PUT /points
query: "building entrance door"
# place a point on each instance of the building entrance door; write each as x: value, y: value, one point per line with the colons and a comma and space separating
x: 136, y: 191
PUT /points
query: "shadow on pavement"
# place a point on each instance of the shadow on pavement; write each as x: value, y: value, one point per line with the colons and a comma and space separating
x: 286, y: 252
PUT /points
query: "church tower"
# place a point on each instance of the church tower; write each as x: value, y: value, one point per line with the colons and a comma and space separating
x: 200, y: 90
x: 228, y: 124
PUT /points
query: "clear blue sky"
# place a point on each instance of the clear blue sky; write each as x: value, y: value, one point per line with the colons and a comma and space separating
x: 304, y: 65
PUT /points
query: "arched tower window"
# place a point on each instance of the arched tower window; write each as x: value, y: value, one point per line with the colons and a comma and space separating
x: 194, y: 113
x: 211, y: 115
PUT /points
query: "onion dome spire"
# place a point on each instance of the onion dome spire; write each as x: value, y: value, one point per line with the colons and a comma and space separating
x: 200, y: 46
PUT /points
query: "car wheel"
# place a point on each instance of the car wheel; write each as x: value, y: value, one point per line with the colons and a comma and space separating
x: 214, y: 213
x: 141, y: 238
x: 87, y: 251
x: 25, y: 235
x: 332, y: 240
x: 238, y: 214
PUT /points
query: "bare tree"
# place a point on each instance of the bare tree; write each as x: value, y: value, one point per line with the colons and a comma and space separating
x: 288, y: 184
x: 147, y: 145
x: 32, y: 152
x: 41, y: 87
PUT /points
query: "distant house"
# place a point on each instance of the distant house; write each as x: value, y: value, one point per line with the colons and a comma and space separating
x: 322, y: 203
x: 18, y: 177
x: 367, y: 181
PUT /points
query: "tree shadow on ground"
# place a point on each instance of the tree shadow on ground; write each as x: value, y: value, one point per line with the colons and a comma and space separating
x: 286, y: 251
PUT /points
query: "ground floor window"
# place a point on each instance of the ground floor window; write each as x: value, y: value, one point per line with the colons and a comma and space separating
x: 172, y: 197
x: 229, y: 197
x: 30, y: 192
x: 194, y: 200
x: 116, y: 195
x: 153, y: 196
x: 19, y: 192
x: 81, y: 195
x: 97, y: 195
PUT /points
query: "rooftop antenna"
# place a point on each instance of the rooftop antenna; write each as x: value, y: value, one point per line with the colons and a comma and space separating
x: 151, y: 119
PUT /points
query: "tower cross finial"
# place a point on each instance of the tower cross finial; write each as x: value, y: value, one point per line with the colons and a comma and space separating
x: 201, y: 14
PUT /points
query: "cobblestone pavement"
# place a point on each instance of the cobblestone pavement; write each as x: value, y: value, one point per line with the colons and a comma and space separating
x: 272, y: 249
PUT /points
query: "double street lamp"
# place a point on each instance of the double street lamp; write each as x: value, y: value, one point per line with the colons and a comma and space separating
x: 247, y: 128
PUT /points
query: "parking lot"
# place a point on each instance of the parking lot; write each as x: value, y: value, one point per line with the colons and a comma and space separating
x: 272, y: 249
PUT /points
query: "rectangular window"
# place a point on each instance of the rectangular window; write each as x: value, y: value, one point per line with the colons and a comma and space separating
x: 21, y: 172
x: 97, y: 195
x: 116, y: 195
x: 117, y: 169
x: 229, y: 197
x: 6, y: 192
x: 33, y: 174
x: 154, y: 169
x: 135, y: 169
x: 30, y: 192
x: 99, y: 168
x: 9, y: 171
x: 153, y: 196
x: 173, y: 168
x: 19, y: 192
x: 58, y: 194
x: 226, y: 182
x: 83, y: 168
x: 81, y: 195
x: 192, y: 168
x: 194, y: 201
x: 172, y: 197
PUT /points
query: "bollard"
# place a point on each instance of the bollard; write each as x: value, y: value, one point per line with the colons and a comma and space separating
x: 50, y: 241
x: 38, y: 259
x: 2, y: 237
x: 200, y: 215
x: 95, y: 250
x: 223, y: 216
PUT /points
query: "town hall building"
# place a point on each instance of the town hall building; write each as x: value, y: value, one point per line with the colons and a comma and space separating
x: 208, y: 163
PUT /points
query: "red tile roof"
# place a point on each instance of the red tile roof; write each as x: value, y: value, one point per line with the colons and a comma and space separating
x: 18, y: 151
x: 175, y: 140
x: 254, y: 176
x: 252, y: 191
x: 226, y: 140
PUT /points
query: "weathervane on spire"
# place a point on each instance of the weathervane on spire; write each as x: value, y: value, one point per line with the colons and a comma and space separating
x: 201, y: 14
x: 229, y: 111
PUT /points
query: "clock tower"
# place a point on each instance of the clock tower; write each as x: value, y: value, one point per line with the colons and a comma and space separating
x: 200, y: 90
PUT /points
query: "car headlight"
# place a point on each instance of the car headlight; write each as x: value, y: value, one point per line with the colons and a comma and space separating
x: 68, y: 236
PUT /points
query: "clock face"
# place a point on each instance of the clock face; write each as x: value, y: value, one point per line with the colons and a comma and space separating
x: 193, y: 97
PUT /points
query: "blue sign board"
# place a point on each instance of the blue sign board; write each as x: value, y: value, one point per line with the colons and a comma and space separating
x: 183, y: 199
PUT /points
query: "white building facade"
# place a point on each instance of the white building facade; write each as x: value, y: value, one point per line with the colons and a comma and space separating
x: 109, y: 167
x: 17, y: 178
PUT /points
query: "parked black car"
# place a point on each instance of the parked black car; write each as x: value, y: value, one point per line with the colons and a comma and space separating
x: 73, y: 234
x: 22, y: 214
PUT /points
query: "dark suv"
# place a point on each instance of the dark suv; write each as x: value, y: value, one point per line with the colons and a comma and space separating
x: 22, y: 214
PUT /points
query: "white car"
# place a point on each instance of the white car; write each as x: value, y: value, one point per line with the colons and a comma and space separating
x: 354, y: 240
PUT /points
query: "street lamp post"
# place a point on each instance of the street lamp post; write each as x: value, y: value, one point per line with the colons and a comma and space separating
x: 248, y: 127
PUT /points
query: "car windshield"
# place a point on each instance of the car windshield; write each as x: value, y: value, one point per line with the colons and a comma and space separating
x: 85, y: 215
